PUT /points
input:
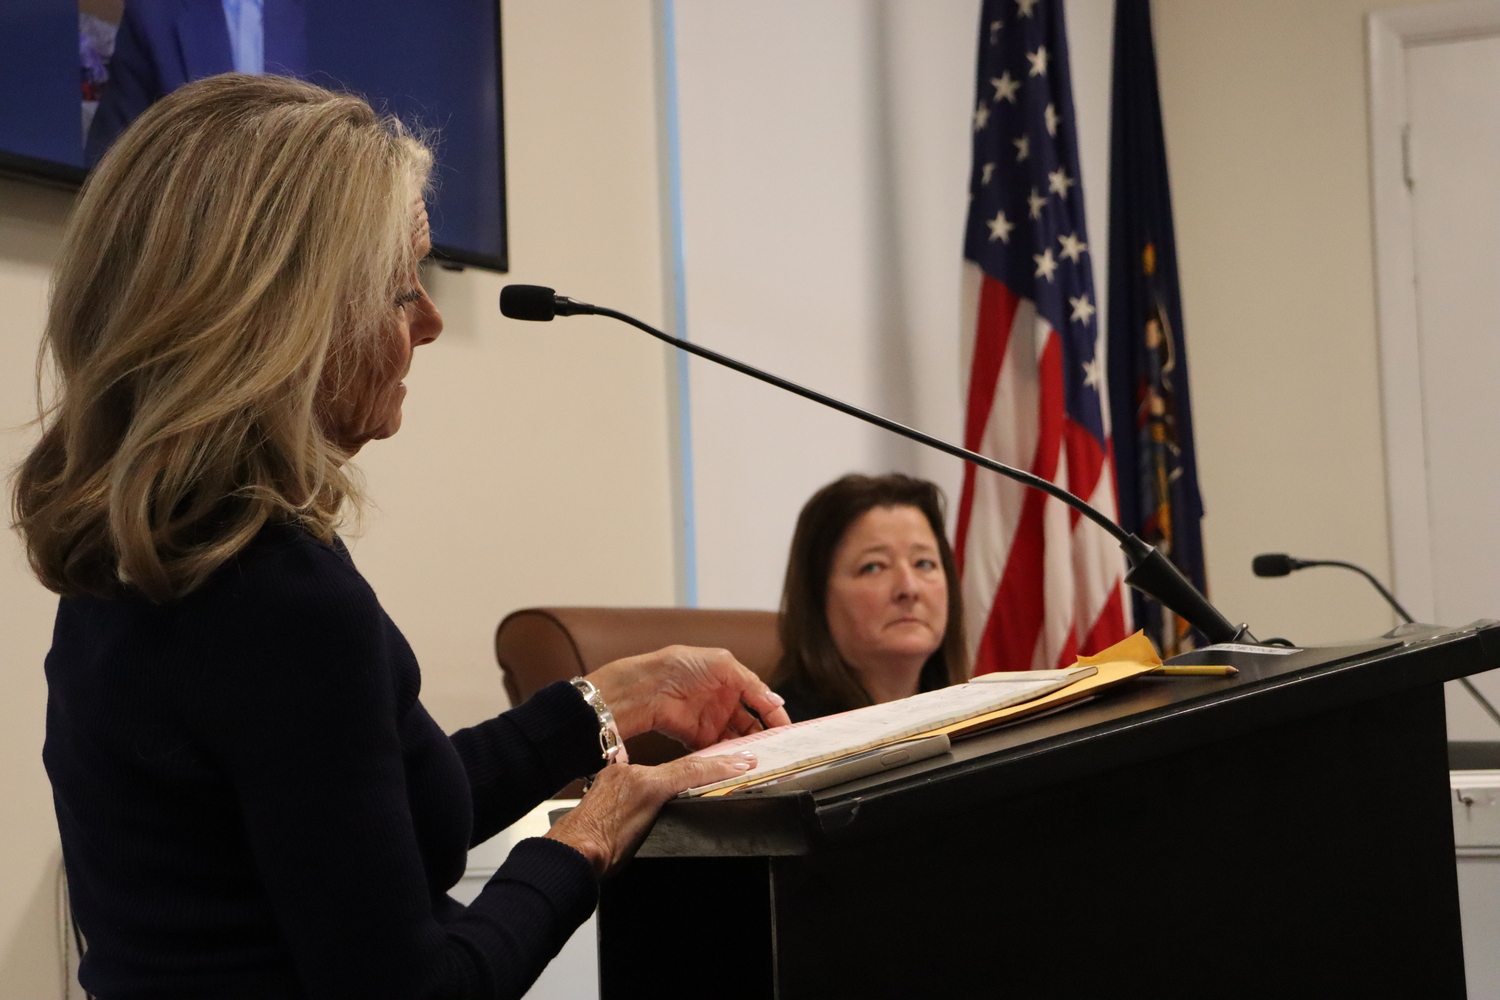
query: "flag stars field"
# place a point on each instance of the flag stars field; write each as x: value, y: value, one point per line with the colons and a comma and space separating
x: 1038, y: 60
x: 1051, y: 118
x: 981, y: 117
x: 1046, y: 264
x: 1072, y: 247
x: 1000, y: 228
x: 1038, y: 201
x: 1023, y: 147
x: 1024, y: 7
x: 1083, y: 309
x: 1058, y: 183
x: 1005, y: 87
x: 1093, y: 372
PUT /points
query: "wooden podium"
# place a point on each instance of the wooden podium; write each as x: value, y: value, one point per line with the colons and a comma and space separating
x: 1282, y: 833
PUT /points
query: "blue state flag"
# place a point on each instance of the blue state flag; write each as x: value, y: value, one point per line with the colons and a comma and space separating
x: 1150, y: 407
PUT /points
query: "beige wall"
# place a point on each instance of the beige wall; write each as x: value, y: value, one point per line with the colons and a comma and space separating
x: 533, y: 466
x: 1265, y: 111
x: 30, y: 228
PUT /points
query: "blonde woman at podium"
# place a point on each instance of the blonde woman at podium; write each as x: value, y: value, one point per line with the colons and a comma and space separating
x: 251, y: 798
x: 870, y: 611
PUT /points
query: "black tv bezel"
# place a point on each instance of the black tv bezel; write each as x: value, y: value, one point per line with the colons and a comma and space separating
x: 14, y: 166
x: 50, y: 173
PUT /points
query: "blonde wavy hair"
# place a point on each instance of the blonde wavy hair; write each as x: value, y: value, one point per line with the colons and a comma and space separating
x: 229, y: 276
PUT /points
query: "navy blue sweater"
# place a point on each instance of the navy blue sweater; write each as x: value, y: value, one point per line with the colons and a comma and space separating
x: 253, y: 802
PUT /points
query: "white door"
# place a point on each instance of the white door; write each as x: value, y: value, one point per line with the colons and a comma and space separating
x: 1451, y: 175
x: 1435, y: 139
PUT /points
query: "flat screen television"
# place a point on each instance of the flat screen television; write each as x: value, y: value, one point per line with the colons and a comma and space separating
x: 73, y: 73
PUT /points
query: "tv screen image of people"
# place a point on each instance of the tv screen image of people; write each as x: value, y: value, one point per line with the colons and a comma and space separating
x: 75, y: 73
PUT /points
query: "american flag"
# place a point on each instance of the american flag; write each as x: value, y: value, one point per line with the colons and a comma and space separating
x: 1040, y: 584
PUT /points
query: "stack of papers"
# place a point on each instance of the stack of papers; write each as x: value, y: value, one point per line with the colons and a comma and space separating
x: 962, y: 708
x: 802, y: 744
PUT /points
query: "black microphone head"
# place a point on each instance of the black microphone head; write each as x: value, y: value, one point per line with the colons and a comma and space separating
x: 1273, y: 564
x: 531, y: 302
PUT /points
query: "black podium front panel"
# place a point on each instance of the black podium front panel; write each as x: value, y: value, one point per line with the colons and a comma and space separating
x: 1285, y: 832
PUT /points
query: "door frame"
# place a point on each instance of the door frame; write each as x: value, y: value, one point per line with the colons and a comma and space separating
x: 1390, y: 33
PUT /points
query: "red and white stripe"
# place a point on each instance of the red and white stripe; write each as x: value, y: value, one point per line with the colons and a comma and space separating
x: 1041, y: 584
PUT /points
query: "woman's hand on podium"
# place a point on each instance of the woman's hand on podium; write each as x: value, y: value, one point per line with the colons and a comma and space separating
x: 696, y: 696
x: 614, y: 816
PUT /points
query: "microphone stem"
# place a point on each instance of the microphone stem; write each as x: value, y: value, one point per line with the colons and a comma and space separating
x: 1118, y: 533
x: 1484, y: 702
x: 1150, y: 572
x: 1389, y: 597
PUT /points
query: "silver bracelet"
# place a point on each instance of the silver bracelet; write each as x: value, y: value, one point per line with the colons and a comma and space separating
x: 610, y: 743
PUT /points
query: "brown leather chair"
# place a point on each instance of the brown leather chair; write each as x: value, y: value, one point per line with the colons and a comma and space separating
x: 538, y: 646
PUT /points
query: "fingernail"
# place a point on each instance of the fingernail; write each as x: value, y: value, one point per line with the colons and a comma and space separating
x: 746, y: 754
x: 775, y: 699
x: 741, y: 765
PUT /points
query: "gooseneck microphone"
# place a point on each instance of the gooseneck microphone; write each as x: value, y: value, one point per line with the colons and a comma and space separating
x: 538, y: 304
x: 1274, y: 564
x: 1280, y: 564
x: 1152, y: 573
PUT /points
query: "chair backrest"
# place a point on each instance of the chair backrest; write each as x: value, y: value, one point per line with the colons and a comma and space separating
x: 537, y: 646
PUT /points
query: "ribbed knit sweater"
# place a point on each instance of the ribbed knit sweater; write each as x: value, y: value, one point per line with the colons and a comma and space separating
x: 253, y: 802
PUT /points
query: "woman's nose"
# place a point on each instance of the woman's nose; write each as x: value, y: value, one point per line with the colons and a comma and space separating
x: 906, y: 583
x: 427, y: 324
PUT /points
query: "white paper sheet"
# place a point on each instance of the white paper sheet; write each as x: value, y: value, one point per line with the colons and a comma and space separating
x: 804, y: 743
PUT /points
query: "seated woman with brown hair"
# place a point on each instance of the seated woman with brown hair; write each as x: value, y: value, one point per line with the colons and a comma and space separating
x: 867, y: 612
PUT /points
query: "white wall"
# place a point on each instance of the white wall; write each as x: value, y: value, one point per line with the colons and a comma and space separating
x: 825, y: 158
x: 533, y: 464
x: 780, y: 193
